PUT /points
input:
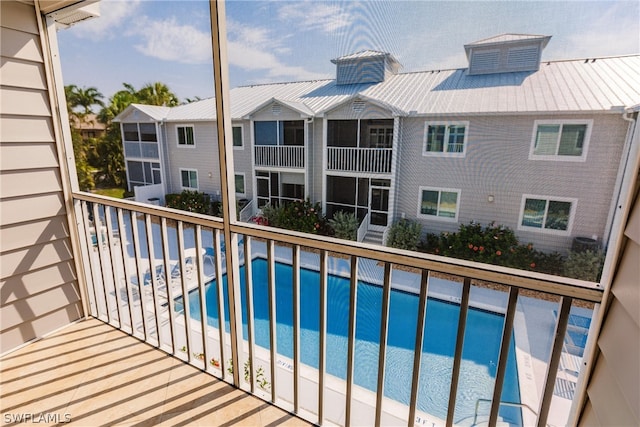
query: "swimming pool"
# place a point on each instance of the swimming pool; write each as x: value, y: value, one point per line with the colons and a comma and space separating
x: 480, y: 353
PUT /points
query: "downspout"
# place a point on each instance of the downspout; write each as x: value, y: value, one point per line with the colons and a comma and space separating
x: 167, y: 157
x: 308, y: 166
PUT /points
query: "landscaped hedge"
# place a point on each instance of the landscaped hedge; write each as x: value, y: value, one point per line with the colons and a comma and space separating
x: 492, y: 244
x: 297, y: 215
x: 191, y: 201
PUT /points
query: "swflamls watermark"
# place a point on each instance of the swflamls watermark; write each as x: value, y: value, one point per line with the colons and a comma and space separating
x: 34, y: 418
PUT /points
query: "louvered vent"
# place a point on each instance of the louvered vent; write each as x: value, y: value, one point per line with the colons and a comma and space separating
x: 358, y: 106
x: 522, y: 58
x: 276, y: 109
x: 485, y: 61
x: 75, y: 13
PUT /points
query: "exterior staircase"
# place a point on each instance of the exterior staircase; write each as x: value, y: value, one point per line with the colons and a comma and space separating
x: 374, y: 237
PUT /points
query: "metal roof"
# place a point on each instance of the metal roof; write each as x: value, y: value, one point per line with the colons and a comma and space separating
x: 510, y: 37
x: 592, y: 85
x: 362, y: 54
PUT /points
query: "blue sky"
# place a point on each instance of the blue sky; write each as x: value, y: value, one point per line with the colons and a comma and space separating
x: 143, y: 41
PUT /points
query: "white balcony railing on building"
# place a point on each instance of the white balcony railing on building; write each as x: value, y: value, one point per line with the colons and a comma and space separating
x: 283, y: 156
x: 152, y: 268
x: 347, y: 159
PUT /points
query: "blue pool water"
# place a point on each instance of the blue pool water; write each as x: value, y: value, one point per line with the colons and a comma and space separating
x: 480, y: 354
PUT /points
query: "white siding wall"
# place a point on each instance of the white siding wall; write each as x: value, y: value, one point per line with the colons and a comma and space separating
x: 242, y: 158
x: 613, y: 390
x: 38, y: 288
x: 204, y: 157
x: 497, y: 163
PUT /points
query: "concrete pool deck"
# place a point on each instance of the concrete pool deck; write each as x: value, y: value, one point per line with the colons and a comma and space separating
x: 533, y: 333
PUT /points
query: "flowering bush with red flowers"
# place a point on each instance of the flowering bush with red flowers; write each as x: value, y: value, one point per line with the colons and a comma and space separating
x: 297, y: 215
x: 492, y: 244
x: 191, y: 201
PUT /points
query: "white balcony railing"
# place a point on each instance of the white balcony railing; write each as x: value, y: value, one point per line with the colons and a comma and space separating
x: 412, y: 355
x: 283, y: 156
x: 347, y: 159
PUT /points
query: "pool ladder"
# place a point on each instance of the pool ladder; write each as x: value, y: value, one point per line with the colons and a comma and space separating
x: 502, y: 402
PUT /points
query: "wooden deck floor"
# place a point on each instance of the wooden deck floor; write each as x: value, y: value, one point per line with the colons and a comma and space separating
x: 94, y: 375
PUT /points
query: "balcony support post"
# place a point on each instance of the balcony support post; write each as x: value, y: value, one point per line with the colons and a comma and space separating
x: 353, y: 298
x: 417, y: 355
x: 152, y: 270
x: 170, y: 300
x: 382, y: 349
x: 457, y: 359
x: 556, y: 352
x: 125, y: 267
x: 227, y: 180
x: 296, y: 326
x: 322, y: 334
x: 507, y: 331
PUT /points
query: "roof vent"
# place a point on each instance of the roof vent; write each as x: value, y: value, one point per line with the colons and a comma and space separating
x: 367, y: 66
x: 358, y: 106
x: 506, y: 53
x: 276, y: 109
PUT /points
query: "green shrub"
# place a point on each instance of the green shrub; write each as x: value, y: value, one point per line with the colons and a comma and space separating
x: 404, y: 234
x: 585, y: 265
x: 191, y: 201
x: 298, y: 215
x: 493, y: 244
x: 344, y: 225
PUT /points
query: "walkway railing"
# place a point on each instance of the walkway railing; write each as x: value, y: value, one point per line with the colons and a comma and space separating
x: 285, y: 156
x: 364, y: 226
x: 157, y: 267
x: 347, y: 159
x: 248, y: 211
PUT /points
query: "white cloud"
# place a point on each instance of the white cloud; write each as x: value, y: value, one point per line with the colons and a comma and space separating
x: 253, y: 58
x: 113, y: 14
x: 315, y: 15
x: 171, y: 41
x: 254, y: 48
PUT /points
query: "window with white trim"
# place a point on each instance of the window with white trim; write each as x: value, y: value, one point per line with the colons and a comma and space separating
x: 189, y: 179
x: 439, y: 203
x: 185, y: 136
x: 548, y: 214
x: 240, y: 183
x: 237, y: 137
x: 448, y: 139
x: 143, y: 173
x: 560, y: 140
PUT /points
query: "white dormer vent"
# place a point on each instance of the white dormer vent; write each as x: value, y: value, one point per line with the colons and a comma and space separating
x: 506, y: 53
x: 485, y: 61
x: 367, y: 66
x: 523, y: 57
x: 276, y: 109
x: 358, y: 106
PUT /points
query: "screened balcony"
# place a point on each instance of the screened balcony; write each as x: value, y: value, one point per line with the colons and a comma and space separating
x: 370, y: 160
x: 106, y: 298
x: 360, y: 145
x: 280, y: 156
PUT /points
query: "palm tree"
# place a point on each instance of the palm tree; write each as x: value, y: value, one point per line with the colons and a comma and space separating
x: 157, y: 94
x: 82, y: 99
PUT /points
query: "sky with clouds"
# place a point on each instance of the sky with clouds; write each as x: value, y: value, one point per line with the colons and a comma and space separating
x: 143, y: 41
